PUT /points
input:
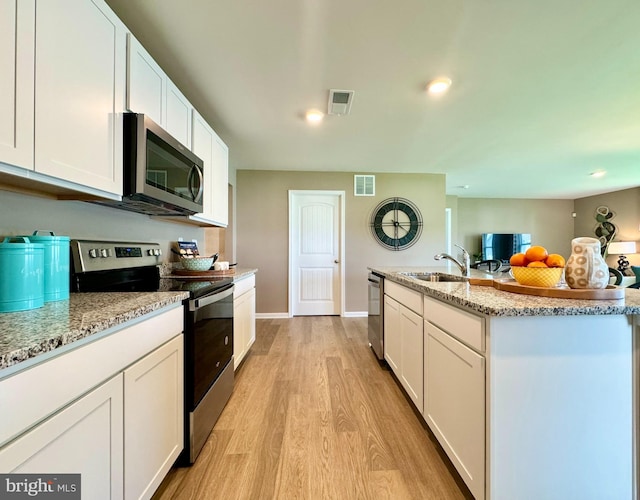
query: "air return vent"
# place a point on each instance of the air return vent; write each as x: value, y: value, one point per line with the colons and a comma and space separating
x: 340, y: 101
x: 364, y: 185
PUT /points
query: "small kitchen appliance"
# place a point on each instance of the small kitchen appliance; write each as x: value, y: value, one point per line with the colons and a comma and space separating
x: 161, y: 175
x: 110, y: 266
x: 376, y: 318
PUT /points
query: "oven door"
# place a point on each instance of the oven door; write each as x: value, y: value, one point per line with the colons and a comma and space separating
x: 208, y: 342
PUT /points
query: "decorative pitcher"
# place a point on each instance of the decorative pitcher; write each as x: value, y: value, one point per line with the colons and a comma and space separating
x: 586, y: 268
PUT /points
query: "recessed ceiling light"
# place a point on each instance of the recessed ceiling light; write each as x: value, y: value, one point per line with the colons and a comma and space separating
x: 439, y: 85
x: 598, y: 173
x: 314, y: 116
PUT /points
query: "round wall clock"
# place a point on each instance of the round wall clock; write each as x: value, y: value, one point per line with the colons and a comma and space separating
x: 396, y: 223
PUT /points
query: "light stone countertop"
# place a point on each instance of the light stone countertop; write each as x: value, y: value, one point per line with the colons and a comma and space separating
x: 27, y: 334
x: 487, y: 300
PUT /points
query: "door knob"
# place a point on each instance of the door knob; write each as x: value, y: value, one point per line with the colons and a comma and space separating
x: 336, y: 261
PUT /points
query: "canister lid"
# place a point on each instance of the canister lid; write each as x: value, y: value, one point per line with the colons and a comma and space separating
x: 48, y: 238
x: 19, y: 243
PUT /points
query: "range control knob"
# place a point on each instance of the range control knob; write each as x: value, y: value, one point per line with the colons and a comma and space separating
x: 93, y: 253
x: 150, y: 252
x: 157, y: 252
x: 104, y: 253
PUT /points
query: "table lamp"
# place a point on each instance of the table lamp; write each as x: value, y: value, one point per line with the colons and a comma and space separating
x: 622, y: 249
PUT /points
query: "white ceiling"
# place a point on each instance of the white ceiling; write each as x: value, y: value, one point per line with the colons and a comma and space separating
x: 544, y: 91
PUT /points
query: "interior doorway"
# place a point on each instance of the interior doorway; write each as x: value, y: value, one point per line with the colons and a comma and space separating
x: 316, y: 251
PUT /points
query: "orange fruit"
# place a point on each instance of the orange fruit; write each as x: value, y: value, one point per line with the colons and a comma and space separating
x: 536, y: 254
x: 518, y: 260
x: 536, y: 263
x: 555, y: 260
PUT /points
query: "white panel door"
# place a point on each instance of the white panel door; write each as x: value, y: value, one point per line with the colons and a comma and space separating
x: 315, y: 238
x: 17, y: 38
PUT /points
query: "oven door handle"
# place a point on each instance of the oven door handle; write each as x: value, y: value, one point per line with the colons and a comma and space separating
x: 210, y: 299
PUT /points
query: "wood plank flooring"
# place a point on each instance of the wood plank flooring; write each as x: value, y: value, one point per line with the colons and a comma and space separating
x: 314, y: 416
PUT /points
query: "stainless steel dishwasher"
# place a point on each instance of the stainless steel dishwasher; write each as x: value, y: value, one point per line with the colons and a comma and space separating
x: 376, y: 315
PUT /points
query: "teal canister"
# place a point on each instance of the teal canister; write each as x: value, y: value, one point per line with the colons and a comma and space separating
x: 21, y: 274
x: 56, y: 264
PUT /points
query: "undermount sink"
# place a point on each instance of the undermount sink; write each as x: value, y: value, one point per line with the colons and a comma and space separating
x: 435, y: 277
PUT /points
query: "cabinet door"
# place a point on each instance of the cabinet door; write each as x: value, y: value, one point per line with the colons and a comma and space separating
x: 153, y: 418
x: 392, y: 336
x: 411, y: 365
x: 220, y: 208
x: 214, y: 153
x: 146, y: 83
x: 241, y: 327
x: 251, y: 310
x: 85, y: 438
x: 178, y: 115
x: 17, y: 39
x: 79, y: 93
x: 455, y: 404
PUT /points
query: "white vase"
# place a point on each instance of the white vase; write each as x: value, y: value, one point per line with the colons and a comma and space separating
x: 586, y: 268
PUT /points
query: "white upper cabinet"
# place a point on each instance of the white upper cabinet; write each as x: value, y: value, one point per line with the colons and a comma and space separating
x: 80, y: 67
x: 178, y: 113
x: 215, y: 155
x: 151, y: 92
x: 17, y: 38
x: 146, y: 83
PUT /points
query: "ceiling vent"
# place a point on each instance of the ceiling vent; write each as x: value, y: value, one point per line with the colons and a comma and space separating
x: 364, y: 185
x: 340, y: 101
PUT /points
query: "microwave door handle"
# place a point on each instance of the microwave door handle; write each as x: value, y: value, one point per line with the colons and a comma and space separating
x: 197, y: 196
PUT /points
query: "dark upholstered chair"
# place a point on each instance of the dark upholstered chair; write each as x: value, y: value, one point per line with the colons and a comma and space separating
x: 491, y: 265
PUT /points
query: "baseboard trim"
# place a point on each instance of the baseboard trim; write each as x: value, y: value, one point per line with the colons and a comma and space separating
x: 284, y: 315
x: 272, y: 315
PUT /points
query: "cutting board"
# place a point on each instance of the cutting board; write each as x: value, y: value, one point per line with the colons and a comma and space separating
x: 203, y: 274
x: 612, y: 292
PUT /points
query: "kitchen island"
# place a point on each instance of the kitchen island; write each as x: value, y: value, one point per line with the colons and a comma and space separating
x: 530, y: 397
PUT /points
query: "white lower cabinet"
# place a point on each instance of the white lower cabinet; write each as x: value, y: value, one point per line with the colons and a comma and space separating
x: 392, y: 338
x: 153, y: 418
x: 411, y: 370
x: 111, y: 410
x: 454, y: 407
x: 403, y: 347
x: 244, y: 319
x: 84, y: 438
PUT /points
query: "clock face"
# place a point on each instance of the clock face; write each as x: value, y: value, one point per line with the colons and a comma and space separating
x: 396, y: 223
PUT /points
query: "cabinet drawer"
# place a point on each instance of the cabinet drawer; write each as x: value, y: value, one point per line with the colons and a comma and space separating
x: 466, y: 327
x: 244, y: 285
x: 407, y: 297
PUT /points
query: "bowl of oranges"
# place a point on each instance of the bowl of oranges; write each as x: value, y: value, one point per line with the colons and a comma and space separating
x: 537, y: 267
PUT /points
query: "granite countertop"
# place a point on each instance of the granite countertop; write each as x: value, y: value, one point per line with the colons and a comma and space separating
x: 487, y: 300
x: 27, y: 334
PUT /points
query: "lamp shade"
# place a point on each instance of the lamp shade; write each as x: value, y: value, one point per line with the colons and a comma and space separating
x: 621, y: 247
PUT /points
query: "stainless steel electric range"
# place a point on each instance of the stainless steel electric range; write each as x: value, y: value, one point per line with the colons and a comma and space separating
x: 108, y: 266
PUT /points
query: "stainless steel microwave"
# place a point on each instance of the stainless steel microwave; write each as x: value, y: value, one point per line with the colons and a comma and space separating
x: 161, y: 175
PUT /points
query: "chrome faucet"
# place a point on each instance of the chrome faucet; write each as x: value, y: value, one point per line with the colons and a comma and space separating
x: 465, y: 266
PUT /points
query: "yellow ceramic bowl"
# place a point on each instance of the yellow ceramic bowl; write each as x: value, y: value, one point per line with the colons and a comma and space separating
x: 546, y: 277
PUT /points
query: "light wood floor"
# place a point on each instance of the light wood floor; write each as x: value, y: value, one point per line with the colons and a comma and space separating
x: 314, y: 416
